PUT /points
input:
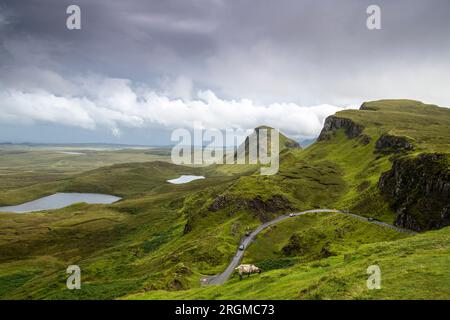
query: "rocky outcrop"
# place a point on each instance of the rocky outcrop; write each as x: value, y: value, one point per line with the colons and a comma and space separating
x: 334, y: 123
x: 271, y: 205
x: 388, y: 143
x: 364, y: 139
x: 368, y: 106
x: 188, y: 226
x: 219, y: 202
x: 418, y: 189
x: 261, y: 208
x: 296, y: 246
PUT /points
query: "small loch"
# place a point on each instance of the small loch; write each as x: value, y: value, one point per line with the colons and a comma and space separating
x: 60, y: 200
x: 185, y: 179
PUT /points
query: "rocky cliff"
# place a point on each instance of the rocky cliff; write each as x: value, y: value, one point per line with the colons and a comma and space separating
x: 388, y: 143
x: 418, y: 189
x: 261, y: 208
x: 333, y: 123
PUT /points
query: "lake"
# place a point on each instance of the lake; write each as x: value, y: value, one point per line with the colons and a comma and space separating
x: 60, y: 200
x: 185, y: 179
x: 73, y: 153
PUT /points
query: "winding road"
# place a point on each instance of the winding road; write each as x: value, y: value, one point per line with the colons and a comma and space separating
x: 221, y: 278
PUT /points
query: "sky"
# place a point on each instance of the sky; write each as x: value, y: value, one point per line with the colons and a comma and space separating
x: 137, y: 70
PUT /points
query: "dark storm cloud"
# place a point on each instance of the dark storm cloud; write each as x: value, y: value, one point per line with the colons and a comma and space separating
x: 123, y: 38
x: 164, y: 36
x: 144, y: 40
x: 301, y: 51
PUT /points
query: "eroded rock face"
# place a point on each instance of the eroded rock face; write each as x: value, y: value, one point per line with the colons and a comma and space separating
x: 364, y: 139
x: 272, y: 205
x: 333, y: 123
x: 175, y: 285
x: 366, y: 106
x: 220, y: 202
x: 419, y: 190
x: 262, y: 208
x: 295, y: 246
x: 387, y: 144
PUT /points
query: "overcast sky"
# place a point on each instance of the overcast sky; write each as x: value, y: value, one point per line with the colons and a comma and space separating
x: 138, y: 69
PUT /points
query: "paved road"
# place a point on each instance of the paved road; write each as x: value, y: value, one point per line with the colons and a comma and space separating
x: 221, y: 278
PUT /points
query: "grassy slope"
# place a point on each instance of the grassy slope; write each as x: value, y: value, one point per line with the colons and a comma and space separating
x: 411, y: 268
x: 335, y: 232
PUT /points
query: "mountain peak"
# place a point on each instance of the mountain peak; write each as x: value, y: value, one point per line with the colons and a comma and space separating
x: 285, y: 142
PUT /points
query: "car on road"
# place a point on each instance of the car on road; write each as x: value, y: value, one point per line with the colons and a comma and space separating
x: 291, y: 214
x: 241, y: 247
x: 370, y: 219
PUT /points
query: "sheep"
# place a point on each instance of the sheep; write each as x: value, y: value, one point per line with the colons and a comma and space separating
x: 247, y: 269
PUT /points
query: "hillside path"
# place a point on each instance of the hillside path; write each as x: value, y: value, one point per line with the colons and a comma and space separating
x: 221, y: 278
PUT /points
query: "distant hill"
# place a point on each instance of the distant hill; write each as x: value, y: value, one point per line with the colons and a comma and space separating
x: 263, y: 145
x: 307, y: 142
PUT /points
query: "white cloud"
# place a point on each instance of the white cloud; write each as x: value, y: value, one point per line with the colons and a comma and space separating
x: 266, y: 72
x: 25, y: 108
x: 118, y: 103
x: 182, y: 87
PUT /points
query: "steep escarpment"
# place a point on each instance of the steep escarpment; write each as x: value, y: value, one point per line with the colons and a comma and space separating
x: 334, y: 123
x: 366, y: 142
x: 418, y: 188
